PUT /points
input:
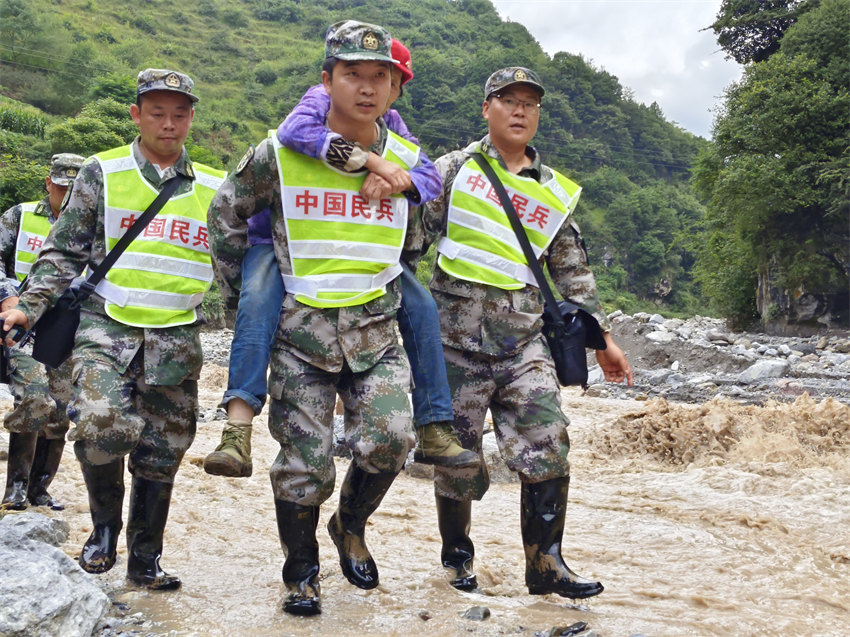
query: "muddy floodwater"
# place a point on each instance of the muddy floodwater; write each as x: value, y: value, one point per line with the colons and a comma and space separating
x: 712, y: 519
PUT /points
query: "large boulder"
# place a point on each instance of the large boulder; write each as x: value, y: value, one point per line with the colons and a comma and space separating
x: 43, y: 592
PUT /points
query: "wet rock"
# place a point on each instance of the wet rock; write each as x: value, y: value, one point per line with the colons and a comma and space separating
x: 764, y: 369
x: 597, y: 391
x: 476, y: 613
x: 425, y: 615
x: 804, y: 348
x: 564, y: 631
x: 43, y: 591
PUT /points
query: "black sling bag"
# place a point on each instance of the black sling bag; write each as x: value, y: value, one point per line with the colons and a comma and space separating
x: 568, y: 327
x: 54, y: 332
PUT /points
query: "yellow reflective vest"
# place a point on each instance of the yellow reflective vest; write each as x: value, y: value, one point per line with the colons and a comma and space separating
x: 161, y: 277
x: 343, y: 249
x: 480, y: 244
x: 32, y: 231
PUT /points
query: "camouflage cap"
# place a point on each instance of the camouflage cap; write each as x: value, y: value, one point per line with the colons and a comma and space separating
x: 64, y: 167
x: 165, y: 80
x: 512, y: 75
x: 353, y: 40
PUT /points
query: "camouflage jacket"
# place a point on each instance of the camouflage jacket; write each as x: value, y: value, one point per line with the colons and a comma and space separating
x: 490, y: 320
x: 10, y: 224
x: 77, y: 241
x: 326, y: 338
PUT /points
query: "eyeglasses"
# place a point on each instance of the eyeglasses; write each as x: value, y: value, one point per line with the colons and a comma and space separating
x: 512, y: 103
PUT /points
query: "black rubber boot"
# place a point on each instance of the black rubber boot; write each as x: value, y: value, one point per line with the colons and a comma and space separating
x: 359, y: 496
x: 105, y: 484
x: 21, y: 454
x: 149, y: 502
x: 296, y: 526
x: 543, y: 511
x: 48, y: 455
x: 454, y: 518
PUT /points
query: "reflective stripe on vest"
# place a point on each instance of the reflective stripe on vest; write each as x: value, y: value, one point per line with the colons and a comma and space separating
x: 480, y: 244
x: 343, y: 249
x: 32, y: 231
x: 161, y: 277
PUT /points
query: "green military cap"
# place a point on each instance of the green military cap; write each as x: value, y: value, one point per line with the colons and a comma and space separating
x: 353, y: 40
x: 165, y: 80
x: 64, y: 167
x: 512, y: 75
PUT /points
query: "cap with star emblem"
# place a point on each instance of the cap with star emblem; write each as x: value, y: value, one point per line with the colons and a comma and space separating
x: 64, y: 167
x: 512, y: 75
x: 353, y: 40
x: 165, y: 80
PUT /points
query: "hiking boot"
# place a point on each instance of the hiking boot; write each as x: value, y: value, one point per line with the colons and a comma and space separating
x: 232, y: 458
x: 437, y: 444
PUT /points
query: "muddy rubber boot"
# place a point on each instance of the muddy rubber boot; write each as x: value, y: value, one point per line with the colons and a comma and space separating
x: 296, y: 526
x: 21, y: 454
x: 232, y: 457
x: 149, y: 503
x: 359, y: 496
x: 105, y: 484
x: 438, y: 444
x: 48, y: 455
x: 454, y: 518
x: 543, y: 511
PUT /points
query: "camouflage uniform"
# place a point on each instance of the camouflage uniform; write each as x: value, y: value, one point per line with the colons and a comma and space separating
x: 496, y: 356
x: 318, y: 352
x: 41, y: 395
x: 135, y: 389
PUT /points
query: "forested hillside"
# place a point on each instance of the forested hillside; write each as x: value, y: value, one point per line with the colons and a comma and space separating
x: 67, y: 70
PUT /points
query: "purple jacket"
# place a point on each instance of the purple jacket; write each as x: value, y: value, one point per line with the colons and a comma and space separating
x: 304, y: 130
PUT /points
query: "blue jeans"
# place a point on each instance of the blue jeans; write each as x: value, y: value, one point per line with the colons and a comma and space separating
x: 257, y: 318
x: 419, y: 324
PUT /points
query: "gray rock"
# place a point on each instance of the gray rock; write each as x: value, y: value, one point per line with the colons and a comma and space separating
x: 784, y: 349
x: 655, y: 319
x: 595, y: 375
x: 43, y: 592
x: 615, y: 314
x: 476, y: 613
x: 658, y: 377
x: 805, y: 348
x: 772, y: 352
x: 672, y: 324
x: 37, y: 527
x: 662, y: 338
x: 717, y: 337
x: 764, y: 369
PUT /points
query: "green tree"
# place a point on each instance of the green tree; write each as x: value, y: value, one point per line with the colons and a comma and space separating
x: 751, y: 30
x: 101, y: 125
x: 776, y: 178
x: 20, y: 180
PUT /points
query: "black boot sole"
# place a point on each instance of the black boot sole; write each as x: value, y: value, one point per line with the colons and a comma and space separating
x: 574, y: 594
x: 221, y: 464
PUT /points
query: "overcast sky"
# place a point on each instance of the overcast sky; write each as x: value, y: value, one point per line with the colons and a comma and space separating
x: 654, y: 47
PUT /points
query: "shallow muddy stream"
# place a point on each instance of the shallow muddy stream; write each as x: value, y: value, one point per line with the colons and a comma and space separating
x: 713, y: 519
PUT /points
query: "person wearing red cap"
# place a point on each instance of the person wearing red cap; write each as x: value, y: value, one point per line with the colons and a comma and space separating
x: 304, y: 130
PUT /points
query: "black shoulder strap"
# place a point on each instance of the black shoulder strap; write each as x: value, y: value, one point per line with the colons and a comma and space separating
x: 551, y: 305
x: 168, y: 189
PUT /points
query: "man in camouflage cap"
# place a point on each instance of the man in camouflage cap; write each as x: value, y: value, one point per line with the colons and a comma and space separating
x: 490, y: 314
x: 137, y: 354
x: 37, y: 424
x: 338, y: 250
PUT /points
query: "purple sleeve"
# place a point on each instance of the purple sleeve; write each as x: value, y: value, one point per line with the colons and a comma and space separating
x: 260, y: 228
x: 424, y: 176
x: 304, y: 128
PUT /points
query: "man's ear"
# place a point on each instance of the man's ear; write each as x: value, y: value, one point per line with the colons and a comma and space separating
x: 136, y: 113
x: 326, y: 81
x: 485, y: 109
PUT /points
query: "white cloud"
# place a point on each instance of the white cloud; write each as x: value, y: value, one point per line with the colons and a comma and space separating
x: 654, y: 47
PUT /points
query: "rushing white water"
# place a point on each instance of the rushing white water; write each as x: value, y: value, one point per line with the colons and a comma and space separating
x: 714, y: 519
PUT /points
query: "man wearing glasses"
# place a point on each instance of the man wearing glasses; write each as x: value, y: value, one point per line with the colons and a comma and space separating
x: 490, y: 317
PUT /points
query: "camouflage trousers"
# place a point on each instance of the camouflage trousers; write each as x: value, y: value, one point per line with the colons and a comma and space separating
x: 118, y: 414
x: 378, y: 422
x: 41, y: 396
x: 522, y: 393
